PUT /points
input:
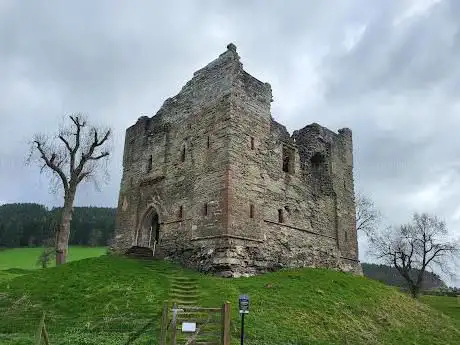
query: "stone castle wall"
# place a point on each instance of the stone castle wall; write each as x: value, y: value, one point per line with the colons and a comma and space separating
x: 210, y: 165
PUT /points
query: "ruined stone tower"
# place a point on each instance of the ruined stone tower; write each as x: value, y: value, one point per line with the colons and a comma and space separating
x: 213, y: 182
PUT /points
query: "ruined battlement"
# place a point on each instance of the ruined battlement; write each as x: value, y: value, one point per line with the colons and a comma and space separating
x: 213, y: 182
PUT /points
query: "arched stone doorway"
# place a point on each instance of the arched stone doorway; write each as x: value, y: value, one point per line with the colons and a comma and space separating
x: 148, y: 233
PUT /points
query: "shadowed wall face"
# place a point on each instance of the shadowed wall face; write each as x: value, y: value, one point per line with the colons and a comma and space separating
x: 232, y: 191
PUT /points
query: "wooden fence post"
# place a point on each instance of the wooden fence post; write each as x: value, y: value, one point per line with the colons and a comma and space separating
x: 45, y: 335
x: 226, y: 320
x: 38, y: 335
x: 174, y: 325
x: 164, y: 324
x: 42, y: 332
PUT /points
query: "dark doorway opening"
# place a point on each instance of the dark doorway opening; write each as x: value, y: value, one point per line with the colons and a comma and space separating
x: 149, y: 232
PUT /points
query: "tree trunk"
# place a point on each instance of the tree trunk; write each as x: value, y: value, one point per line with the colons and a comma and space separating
x: 414, y: 291
x: 63, y: 231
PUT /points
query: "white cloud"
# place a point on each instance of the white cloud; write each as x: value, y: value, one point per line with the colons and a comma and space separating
x: 353, y: 35
x: 415, y: 8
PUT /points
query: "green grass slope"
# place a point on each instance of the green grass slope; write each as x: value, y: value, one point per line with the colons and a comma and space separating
x: 104, y: 300
x: 26, y: 258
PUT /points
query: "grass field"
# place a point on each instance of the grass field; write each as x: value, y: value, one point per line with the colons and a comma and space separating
x: 103, y: 300
x: 26, y: 258
x: 448, y: 305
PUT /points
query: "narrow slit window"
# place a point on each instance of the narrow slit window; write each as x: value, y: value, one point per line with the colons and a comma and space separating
x: 181, y: 212
x: 346, y: 236
x: 208, y: 143
x: 149, y: 163
x: 182, y: 155
x: 280, y: 216
x: 251, y: 211
x: 252, y: 143
x: 288, y: 159
x: 205, y: 209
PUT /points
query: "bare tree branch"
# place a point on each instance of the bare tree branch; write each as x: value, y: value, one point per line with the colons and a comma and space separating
x: 66, y: 143
x: 367, y: 216
x: 85, y: 157
x: 50, y: 162
x: 102, y: 155
x: 414, y: 247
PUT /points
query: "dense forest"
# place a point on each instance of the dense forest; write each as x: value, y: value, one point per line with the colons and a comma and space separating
x: 29, y: 225
x: 390, y: 276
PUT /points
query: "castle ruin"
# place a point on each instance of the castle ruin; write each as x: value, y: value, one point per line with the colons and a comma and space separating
x: 213, y: 182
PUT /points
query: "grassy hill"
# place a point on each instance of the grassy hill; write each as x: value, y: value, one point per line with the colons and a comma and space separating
x: 103, y: 300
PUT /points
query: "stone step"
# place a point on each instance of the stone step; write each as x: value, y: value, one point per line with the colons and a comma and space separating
x: 182, y: 289
x: 139, y: 252
x: 183, y: 279
x: 185, y: 303
x: 184, y: 285
x: 179, y: 302
x: 184, y: 297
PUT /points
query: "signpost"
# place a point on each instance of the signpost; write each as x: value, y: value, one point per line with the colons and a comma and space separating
x: 244, y: 309
x: 189, y: 327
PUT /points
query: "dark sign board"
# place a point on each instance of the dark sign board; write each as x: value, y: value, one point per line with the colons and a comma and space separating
x: 244, y: 304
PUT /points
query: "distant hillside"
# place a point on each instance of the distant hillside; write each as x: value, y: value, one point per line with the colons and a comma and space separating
x: 390, y: 276
x: 28, y: 224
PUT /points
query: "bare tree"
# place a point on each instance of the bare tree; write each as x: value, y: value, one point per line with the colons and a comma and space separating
x: 73, y: 156
x: 415, y: 247
x: 367, y: 216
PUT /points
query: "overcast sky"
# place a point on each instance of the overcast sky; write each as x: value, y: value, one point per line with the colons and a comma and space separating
x: 389, y: 70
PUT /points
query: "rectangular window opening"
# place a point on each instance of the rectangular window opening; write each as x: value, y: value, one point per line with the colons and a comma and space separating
x: 288, y: 159
x: 251, y: 211
x: 208, y: 144
x: 181, y: 212
x: 252, y: 143
x: 150, y: 163
x: 205, y: 209
x: 182, y: 156
x: 280, y: 216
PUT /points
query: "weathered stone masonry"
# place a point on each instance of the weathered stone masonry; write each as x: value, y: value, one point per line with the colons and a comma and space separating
x: 213, y: 182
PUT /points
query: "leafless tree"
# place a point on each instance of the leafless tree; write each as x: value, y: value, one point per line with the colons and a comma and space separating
x: 74, y: 155
x: 415, y: 247
x: 367, y: 216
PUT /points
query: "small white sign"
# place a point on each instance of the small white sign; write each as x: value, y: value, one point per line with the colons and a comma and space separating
x: 188, y: 327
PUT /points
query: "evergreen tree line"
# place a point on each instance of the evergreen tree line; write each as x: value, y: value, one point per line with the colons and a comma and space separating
x: 30, y: 225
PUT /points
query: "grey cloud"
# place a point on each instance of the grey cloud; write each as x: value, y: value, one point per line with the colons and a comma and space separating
x: 397, y: 88
x: 418, y: 53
